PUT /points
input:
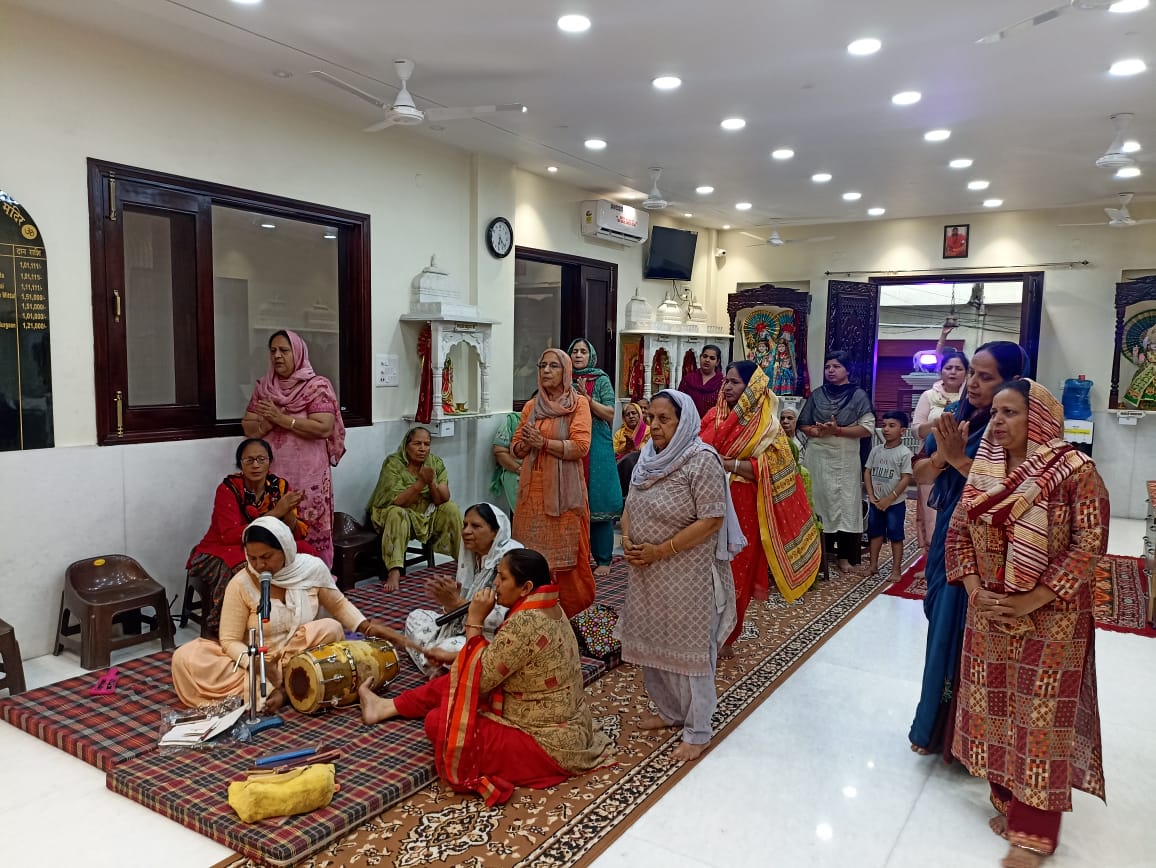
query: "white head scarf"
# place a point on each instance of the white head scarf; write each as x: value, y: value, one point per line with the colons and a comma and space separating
x: 471, y: 575
x: 300, y: 574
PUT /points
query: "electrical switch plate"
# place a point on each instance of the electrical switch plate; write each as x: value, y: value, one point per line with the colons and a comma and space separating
x: 385, y: 370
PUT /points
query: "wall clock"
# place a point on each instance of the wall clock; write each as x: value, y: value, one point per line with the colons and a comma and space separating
x: 500, y: 237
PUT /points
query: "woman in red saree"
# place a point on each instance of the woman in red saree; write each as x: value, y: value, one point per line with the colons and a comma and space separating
x: 1024, y: 542
x: 767, y: 491
x: 511, y: 712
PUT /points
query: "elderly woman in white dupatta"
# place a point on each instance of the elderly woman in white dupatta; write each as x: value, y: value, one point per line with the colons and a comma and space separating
x: 208, y: 670
x: 679, y: 530
x: 485, y: 540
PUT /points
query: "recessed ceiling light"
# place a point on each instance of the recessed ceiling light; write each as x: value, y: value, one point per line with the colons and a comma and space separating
x: 852, y: 196
x: 978, y: 185
x: 937, y: 135
x: 992, y: 203
x: 733, y: 124
x: 329, y: 234
x: 1131, y: 66
x: 595, y: 144
x: 782, y: 153
x: 876, y: 212
x: 667, y: 82
x: 282, y: 73
x: 268, y: 225
x: 821, y: 177
x: 246, y: 2
x: 1129, y: 172
x: 574, y: 23
x: 743, y: 206
x: 687, y: 214
x: 704, y: 190
x: 726, y: 226
x: 867, y: 45
x: 551, y: 169
x: 961, y: 163
x: 1130, y: 147
x: 907, y: 97
x: 1121, y: 7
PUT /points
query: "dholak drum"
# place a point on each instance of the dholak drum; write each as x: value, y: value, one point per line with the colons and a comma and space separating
x: 326, y: 676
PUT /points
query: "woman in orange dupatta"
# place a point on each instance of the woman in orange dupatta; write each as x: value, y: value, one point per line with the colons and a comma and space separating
x: 512, y: 712
x: 767, y: 491
x: 553, y: 513
x: 1024, y: 541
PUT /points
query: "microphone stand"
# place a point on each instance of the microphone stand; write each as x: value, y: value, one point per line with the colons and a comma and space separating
x: 256, y: 723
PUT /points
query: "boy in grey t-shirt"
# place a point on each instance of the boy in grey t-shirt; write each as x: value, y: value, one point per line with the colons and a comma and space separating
x: 887, y: 475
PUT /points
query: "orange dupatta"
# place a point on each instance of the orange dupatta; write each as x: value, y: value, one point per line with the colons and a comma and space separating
x: 457, y: 761
x: 789, y: 534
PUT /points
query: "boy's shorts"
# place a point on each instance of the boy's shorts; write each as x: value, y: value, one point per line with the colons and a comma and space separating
x: 888, y: 524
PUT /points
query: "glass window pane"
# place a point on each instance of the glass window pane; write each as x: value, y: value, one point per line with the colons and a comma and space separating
x: 537, y: 320
x: 270, y: 273
x: 159, y: 310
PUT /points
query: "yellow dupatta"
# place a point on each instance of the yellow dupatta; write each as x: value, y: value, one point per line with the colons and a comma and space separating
x: 787, y: 527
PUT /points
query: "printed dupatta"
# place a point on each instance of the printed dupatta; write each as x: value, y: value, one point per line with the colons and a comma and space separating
x: 253, y: 507
x: 789, y: 533
x: 458, y: 759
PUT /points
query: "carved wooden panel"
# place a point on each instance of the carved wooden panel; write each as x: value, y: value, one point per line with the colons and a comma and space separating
x: 852, y: 326
x: 1127, y: 294
x: 778, y: 296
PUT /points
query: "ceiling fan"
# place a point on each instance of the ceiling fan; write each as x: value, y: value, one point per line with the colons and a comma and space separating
x: 1116, y: 157
x: 1118, y: 218
x: 654, y: 200
x: 1064, y: 9
x: 775, y: 240
x: 402, y: 111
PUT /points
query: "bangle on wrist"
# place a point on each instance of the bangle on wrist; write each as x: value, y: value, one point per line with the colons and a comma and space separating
x: 474, y: 627
x: 671, y: 543
x: 971, y: 596
x: 292, y: 422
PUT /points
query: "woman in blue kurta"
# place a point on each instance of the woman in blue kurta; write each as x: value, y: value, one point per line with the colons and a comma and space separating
x: 950, y: 450
x: 601, y: 469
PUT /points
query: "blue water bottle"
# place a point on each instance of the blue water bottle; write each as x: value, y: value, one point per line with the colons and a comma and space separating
x: 1077, y: 398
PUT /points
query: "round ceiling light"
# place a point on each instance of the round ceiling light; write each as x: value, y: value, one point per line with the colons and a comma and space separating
x: 852, y: 196
x: 961, y: 163
x: 574, y: 23
x: 687, y: 214
x: 876, y: 212
x: 733, y: 123
x: 595, y: 144
x: 726, y: 226
x: 782, y: 153
x: 821, y: 177
x: 1129, y: 172
x: 551, y: 169
x: 1123, y: 7
x: 667, y: 82
x: 743, y: 206
x: 1131, y: 66
x: 704, y: 190
x: 865, y: 46
x: 907, y: 97
x: 1130, y: 147
x: 992, y: 203
x: 978, y: 185
x: 937, y: 135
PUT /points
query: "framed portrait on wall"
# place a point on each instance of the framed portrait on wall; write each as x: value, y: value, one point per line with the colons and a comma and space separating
x: 955, y: 241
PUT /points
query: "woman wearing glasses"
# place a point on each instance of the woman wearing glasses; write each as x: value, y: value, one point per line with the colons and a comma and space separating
x: 553, y: 511
x: 240, y: 499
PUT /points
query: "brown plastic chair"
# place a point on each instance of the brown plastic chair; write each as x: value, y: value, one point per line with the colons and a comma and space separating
x: 357, y: 551
x: 102, y: 591
x: 11, y: 667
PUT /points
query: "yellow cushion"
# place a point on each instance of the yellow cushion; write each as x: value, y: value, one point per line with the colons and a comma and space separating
x: 294, y: 792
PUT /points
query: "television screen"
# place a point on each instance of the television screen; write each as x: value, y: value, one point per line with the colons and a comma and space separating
x: 671, y: 254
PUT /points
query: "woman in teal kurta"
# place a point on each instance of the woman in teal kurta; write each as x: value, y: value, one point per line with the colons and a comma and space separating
x: 412, y: 501
x: 603, y: 488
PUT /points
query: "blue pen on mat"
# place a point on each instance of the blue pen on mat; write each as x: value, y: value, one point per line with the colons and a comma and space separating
x: 284, y: 757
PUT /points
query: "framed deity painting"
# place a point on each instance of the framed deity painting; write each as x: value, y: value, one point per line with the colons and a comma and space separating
x: 766, y: 335
x: 1134, y: 361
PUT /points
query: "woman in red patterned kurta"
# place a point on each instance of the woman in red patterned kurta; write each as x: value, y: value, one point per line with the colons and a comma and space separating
x: 1024, y: 540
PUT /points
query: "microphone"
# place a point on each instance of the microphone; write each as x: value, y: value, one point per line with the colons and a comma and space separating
x: 265, y: 577
x: 452, y: 615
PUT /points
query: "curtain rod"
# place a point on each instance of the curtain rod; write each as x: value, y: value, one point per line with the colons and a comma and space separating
x: 1074, y: 263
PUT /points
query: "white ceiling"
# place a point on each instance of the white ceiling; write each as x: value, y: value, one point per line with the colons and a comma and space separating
x: 1032, y: 110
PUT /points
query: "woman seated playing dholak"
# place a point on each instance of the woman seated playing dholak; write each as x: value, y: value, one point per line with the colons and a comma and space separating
x: 485, y: 540
x: 511, y: 712
x: 412, y: 501
x: 241, y: 497
x: 207, y: 670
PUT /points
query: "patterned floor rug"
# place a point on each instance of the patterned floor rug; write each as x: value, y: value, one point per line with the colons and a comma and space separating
x: 570, y: 824
x: 1121, y: 594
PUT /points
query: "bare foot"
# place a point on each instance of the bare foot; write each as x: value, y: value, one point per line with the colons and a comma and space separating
x: 602, y: 570
x: 374, y: 708
x: 393, y: 580
x: 1020, y: 857
x: 848, y: 570
x: 922, y: 751
x: 726, y: 652
x: 998, y: 824
x: 273, y: 701
x: 654, y: 721
x: 686, y: 752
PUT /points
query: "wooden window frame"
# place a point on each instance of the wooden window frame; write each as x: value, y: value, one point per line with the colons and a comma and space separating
x: 163, y: 424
